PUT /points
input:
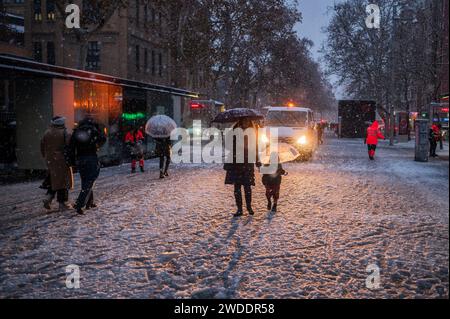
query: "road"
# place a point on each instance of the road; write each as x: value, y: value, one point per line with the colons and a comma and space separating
x: 176, y: 238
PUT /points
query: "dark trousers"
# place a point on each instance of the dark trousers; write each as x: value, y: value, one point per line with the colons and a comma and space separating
x: 273, y: 191
x: 238, y: 195
x: 89, y: 169
x: 164, y: 161
x: 372, y: 149
x: 62, y: 195
x: 433, y: 147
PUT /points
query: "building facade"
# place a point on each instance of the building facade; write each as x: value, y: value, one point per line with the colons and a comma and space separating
x: 129, y: 45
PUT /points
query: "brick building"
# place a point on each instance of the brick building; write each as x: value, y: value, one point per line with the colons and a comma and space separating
x: 128, y: 46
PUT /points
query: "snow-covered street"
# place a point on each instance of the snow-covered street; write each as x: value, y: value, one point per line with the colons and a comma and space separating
x: 176, y: 238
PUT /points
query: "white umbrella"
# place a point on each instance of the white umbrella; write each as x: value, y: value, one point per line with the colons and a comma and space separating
x: 286, y: 153
x: 160, y: 126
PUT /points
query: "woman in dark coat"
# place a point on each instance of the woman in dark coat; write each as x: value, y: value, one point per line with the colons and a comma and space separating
x: 242, y: 175
x: 163, y: 150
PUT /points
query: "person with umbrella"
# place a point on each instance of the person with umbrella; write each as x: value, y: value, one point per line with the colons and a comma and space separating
x: 241, y: 175
x: 160, y: 127
x: 163, y: 150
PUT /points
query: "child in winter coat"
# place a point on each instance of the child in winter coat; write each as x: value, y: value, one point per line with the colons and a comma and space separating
x: 272, y: 182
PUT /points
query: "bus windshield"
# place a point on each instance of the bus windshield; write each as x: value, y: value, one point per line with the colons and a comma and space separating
x: 286, y: 118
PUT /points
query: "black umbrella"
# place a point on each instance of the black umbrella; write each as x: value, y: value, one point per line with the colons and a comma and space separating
x: 235, y: 115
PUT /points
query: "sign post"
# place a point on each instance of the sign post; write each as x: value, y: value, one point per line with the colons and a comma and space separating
x: 422, y: 142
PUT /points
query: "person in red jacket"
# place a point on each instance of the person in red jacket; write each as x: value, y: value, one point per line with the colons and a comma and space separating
x: 134, y: 140
x: 373, y: 134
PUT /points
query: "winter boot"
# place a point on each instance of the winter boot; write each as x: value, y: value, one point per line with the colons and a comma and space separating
x: 274, y: 208
x: 239, y: 213
x: 161, y: 174
x: 250, y: 210
x: 142, y: 169
x: 48, y: 202
x: 91, y: 206
x: 269, y: 204
x: 64, y: 207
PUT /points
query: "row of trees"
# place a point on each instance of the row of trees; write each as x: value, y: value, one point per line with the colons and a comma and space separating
x: 247, y: 51
x: 243, y: 52
x: 399, y: 64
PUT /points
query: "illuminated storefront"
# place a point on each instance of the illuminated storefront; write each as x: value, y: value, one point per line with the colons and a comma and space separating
x: 119, y: 105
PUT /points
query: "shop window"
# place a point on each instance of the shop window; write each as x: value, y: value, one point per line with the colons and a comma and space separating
x: 101, y: 101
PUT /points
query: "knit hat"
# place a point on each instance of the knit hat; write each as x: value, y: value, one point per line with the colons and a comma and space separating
x: 58, y: 121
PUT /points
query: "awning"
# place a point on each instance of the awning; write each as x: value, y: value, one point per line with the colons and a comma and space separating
x: 25, y: 66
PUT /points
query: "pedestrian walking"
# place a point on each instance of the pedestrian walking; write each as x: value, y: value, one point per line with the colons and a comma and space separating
x: 320, y: 128
x: 242, y: 175
x: 59, y: 178
x: 272, y: 183
x: 434, y: 135
x: 373, y: 134
x: 441, y: 137
x: 134, y: 140
x: 163, y: 150
x: 87, y: 138
x: 160, y: 128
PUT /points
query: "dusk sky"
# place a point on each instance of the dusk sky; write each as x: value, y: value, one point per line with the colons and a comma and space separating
x: 315, y: 18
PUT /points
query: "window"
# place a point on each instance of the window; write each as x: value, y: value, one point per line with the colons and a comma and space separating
x: 160, y: 62
x: 51, y: 10
x: 146, y: 60
x: 138, y: 13
x: 286, y: 118
x: 37, y: 10
x: 138, y: 58
x: 146, y: 14
x: 153, y: 63
x: 93, y: 56
x: 153, y: 15
x: 37, y: 51
x: 51, y: 57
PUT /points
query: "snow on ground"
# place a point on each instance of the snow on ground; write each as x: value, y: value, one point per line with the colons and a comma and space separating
x: 176, y: 238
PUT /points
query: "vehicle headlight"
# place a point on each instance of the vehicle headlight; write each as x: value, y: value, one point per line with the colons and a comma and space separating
x: 264, y: 139
x: 302, y: 140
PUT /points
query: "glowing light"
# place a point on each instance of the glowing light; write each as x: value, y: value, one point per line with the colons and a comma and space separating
x: 133, y: 116
x: 302, y: 140
x: 265, y: 139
